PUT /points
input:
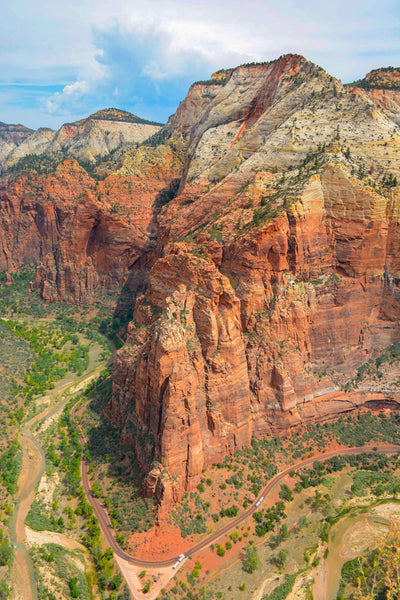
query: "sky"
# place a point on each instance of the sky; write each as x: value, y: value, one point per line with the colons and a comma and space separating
x: 62, y: 60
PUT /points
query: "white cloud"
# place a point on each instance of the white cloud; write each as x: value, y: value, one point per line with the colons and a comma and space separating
x: 94, y: 47
x: 70, y: 94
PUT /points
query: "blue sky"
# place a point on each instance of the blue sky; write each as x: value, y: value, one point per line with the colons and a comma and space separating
x: 60, y: 61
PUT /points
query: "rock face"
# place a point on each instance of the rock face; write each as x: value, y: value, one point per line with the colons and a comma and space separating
x: 382, y: 86
x: 87, y: 235
x: 260, y: 230
x: 106, y: 242
x: 86, y: 140
x: 33, y: 210
x: 191, y: 372
x: 277, y: 270
x: 388, y: 100
x: 385, y: 78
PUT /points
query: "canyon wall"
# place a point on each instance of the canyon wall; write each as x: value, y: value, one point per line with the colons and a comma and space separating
x: 260, y: 235
x: 276, y: 275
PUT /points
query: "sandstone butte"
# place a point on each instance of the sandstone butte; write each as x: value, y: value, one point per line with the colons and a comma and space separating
x: 256, y: 237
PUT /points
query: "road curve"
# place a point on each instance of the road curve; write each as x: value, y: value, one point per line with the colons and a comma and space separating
x: 105, y: 523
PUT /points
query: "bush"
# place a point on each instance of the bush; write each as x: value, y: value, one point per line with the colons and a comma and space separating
x: 231, y: 511
x: 4, y: 590
x: 286, y: 493
x: 6, y: 554
x: 73, y: 586
x: 250, y: 561
x: 280, y: 559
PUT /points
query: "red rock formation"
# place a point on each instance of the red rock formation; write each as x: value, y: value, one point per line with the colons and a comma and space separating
x: 255, y: 352
x: 191, y: 373
x: 275, y: 269
x: 33, y: 209
x: 87, y: 234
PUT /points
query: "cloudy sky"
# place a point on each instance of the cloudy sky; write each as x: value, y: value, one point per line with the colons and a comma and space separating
x: 61, y: 60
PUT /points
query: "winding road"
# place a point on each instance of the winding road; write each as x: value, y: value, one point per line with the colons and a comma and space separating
x: 108, y: 532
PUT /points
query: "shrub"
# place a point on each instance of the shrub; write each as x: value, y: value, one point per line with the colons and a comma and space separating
x: 6, y: 554
x: 250, y: 561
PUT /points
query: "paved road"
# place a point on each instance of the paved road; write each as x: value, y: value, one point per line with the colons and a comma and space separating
x: 105, y: 523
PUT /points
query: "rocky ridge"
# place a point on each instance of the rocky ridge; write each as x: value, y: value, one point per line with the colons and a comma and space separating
x: 85, y: 140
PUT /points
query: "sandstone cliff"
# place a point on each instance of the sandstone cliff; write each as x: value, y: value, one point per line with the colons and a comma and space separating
x: 260, y: 229
x: 277, y: 274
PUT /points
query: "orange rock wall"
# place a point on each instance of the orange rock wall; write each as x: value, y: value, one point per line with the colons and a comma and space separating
x: 244, y: 340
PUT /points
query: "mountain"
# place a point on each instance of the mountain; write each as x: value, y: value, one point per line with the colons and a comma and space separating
x: 385, y: 78
x: 256, y: 238
x: 382, y: 86
x: 86, y: 140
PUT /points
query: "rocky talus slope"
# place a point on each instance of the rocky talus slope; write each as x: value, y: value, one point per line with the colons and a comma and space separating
x: 261, y: 229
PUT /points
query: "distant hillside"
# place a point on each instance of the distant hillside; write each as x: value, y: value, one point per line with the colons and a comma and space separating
x: 114, y: 114
x: 87, y: 140
x: 385, y: 78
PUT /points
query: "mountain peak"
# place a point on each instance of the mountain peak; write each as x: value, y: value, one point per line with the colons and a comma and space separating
x: 115, y: 114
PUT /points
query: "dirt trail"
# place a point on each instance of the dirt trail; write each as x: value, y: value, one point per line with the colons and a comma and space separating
x: 33, y: 465
x: 31, y: 471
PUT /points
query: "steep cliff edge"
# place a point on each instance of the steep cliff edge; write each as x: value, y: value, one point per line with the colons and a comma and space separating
x: 277, y: 274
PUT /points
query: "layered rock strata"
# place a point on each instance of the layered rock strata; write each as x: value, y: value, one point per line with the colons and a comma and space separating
x: 271, y: 289
x: 87, y: 140
x: 268, y: 210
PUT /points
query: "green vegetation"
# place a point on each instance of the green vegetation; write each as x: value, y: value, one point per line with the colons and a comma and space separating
x: 116, y: 114
x: 65, y: 576
x: 250, y: 560
x: 385, y: 78
x: 267, y: 520
x: 41, y: 163
x: 264, y: 214
x: 10, y: 465
x: 190, y: 521
x: 6, y: 553
x: 54, y: 354
x: 283, y: 590
x: 157, y: 139
x: 220, y: 81
x: 16, y: 297
x: 117, y: 473
x: 38, y: 519
x: 375, y: 576
x: 372, y: 367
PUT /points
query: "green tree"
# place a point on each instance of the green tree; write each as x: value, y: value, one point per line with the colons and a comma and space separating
x: 74, y: 587
x: 5, y: 553
x: 280, y: 559
x: 286, y: 493
x: 250, y: 561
